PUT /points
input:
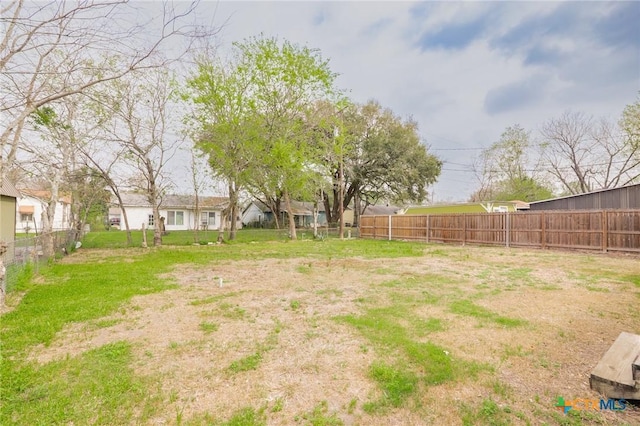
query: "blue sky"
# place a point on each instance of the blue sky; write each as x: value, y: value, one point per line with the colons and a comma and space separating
x: 463, y: 70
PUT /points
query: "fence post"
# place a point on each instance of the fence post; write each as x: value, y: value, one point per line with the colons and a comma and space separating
x: 3, y: 282
x: 543, y: 227
x: 428, y: 220
x: 389, y: 227
x: 144, y: 235
x: 464, y: 229
x: 508, y: 226
x: 605, y: 229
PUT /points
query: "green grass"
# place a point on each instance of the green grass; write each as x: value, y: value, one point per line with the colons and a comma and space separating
x: 294, y: 305
x: 246, y: 363
x: 320, y: 416
x: 76, y: 293
x: 399, y: 333
x: 208, y: 327
x: 98, y: 385
x: 633, y: 279
x: 487, y: 413
x: 118, y: 239
x: 468, y: 308
x: 213, y: 299
x: 396, y: 318
x: 396, y: 383
x: 272, y: 247
x: 247, y: 416
x: 252, y: 362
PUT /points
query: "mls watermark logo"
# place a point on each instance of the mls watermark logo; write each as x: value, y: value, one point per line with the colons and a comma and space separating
x: 584, y: 404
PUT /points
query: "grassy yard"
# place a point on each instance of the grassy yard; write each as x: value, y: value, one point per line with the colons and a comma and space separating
x: 312, y: 332
x: 118, y: 239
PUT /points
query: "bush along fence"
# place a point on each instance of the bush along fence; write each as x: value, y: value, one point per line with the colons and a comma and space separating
x: 603, y: 230
x: 30, y: 253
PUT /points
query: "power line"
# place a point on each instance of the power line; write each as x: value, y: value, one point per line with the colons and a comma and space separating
x: 457, y: 149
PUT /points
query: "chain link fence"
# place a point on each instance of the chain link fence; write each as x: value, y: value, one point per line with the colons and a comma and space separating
x: 29, y: 253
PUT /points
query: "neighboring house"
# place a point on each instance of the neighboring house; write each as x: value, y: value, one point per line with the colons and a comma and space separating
x: 487, y: 207
x: 624, y: 197
x: 8, y: 201
x: 257, y: 213
x: 32, y: 204
x: 179, y: 212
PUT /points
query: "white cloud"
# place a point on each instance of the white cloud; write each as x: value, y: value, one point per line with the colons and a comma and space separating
x: 505, y: 63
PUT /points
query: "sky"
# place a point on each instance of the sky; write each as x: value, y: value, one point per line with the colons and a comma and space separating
x: 465, y: 71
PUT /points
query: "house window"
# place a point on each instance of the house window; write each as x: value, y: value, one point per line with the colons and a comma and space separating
x: 207, y: 218
x: 26, y: 217
x: 151, y: 221
x: 175, y: 217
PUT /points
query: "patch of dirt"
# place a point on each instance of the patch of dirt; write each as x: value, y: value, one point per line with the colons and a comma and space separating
x: 189, y: 337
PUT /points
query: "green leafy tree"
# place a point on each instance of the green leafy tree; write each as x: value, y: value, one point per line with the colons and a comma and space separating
x: 251, y: 118
x: 506, y: 172
x: 630, y: 124
x: 287, y: 80
x: 224, y: 125
x: 384, y: 160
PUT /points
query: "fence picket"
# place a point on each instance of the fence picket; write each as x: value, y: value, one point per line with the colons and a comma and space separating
x: 603, y: 230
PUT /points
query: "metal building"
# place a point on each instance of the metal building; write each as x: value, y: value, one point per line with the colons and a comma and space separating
x: 624, y: 197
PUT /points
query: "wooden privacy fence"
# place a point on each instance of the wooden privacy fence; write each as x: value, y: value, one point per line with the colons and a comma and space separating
x: 605, y: 230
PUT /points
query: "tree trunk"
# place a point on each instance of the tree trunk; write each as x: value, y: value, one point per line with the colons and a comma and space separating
x: 233, y: 210
x: 158, y: 224
x: 292, y: 219
x: 315, y: 218
x: 327, y: 209
x: 223, y: 220
x: 341, y: 201
x: 356, y: 210
x: 196, y: 221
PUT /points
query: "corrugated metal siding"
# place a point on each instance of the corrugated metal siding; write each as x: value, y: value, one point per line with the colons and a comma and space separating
x: 8, y: 189
x: 627, y: 197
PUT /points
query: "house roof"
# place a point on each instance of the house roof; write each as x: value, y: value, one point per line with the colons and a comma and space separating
x: 300, y: 208
x: 44, y: 195
x: 7, y: 189
x: 476, y: 207
x: 381, y: 210
x: 175, y: 201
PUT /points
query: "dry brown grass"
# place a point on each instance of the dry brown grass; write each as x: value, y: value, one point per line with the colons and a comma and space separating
x: 574, y: 306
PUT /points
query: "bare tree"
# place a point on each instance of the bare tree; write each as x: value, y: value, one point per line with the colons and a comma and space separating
x: 142, y: 127
x: 584, y: 154
x: 53, y: 157
x: 106, y: 161
x: 52, y: 50
x: 198, y: 183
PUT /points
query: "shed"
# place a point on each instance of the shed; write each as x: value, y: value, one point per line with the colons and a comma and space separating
x: 8, y: 206
x: 624, y: 197
x: 8, y: 201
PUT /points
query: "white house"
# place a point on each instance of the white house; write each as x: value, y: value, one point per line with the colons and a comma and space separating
x: 257, y: 213
x: 178, y: 211
x: 31, y: 205
x: 254, y: 213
